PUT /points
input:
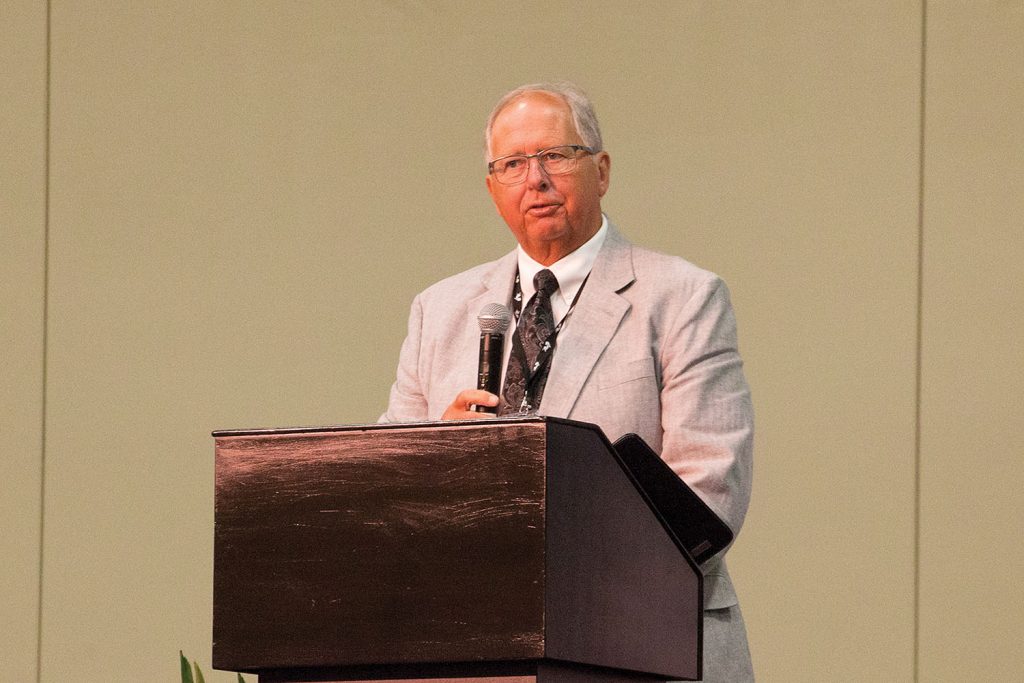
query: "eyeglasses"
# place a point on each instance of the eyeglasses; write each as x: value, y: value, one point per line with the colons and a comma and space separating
x: 513, y: 169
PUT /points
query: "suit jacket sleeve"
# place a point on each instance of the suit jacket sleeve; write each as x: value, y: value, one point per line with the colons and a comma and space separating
x: 407, y: 402
x: 706, y: 410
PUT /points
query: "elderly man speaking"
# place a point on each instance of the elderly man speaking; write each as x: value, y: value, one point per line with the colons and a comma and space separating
x: 606, y: 332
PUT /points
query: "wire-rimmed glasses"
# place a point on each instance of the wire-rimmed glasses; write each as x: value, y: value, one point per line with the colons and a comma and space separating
x: 513, y: 169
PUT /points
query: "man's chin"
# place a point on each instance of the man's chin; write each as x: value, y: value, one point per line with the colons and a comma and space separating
x: 550, y: 229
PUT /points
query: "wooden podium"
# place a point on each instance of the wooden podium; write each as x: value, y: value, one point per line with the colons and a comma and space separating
x: 513, y: 551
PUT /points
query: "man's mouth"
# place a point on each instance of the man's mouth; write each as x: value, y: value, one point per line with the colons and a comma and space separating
x: 541, y: 210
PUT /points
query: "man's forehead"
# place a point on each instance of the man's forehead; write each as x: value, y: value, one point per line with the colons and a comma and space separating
x: 531, y: 123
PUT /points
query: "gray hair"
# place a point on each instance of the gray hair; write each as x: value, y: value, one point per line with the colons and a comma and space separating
x: 583, y: 116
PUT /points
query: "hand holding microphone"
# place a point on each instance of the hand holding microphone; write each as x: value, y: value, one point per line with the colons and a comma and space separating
x: 494, y: 320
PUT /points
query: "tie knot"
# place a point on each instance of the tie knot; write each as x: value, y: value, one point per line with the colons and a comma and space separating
x: 545, y: 282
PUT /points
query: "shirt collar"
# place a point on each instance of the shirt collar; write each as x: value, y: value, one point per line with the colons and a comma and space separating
x: 570, y: 270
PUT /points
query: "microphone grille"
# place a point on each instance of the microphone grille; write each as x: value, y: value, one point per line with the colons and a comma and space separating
x: 494, y: 318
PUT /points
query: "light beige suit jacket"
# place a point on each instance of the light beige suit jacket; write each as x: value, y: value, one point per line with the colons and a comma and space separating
x: 650, y: 348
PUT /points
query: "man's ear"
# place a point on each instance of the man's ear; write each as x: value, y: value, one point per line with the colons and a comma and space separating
x: 490, y: 190
x: 604, y: 171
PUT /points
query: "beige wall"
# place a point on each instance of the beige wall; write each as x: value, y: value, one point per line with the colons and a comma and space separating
x: 972, y: 361
x: 224, y: 182
x: 22, y: 308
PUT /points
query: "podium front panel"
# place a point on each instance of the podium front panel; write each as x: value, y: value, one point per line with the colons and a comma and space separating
x: 379, y: 546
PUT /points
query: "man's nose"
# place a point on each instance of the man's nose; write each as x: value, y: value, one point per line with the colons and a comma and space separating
x: 536, y: 177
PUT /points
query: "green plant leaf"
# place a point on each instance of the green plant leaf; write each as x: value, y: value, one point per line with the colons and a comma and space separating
x: 186, y: 670
x: 199, y: 674
x: 240, y: 679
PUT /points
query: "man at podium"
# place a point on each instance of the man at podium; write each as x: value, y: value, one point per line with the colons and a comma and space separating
x: 603, y: 331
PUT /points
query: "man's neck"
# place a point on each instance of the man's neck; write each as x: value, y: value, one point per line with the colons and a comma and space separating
x: 547, y: 253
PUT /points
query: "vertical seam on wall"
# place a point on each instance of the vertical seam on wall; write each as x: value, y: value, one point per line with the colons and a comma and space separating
x: 919, y: 345
x: 45, y: 349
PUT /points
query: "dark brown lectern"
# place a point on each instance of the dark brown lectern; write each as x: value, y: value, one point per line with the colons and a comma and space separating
x: 507, y: 550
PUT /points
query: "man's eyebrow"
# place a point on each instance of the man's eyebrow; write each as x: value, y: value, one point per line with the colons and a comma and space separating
x: 539, y: 149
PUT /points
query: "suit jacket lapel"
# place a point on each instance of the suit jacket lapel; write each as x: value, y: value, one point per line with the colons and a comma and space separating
x: 598, y: 313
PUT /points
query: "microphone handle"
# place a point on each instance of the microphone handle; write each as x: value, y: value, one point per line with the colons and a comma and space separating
x: 488, y: 378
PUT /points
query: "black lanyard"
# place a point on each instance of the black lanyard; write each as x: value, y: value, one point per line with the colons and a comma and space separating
x: 517, y: 304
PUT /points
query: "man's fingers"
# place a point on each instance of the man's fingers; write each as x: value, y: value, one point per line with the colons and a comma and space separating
x: 460, y: 408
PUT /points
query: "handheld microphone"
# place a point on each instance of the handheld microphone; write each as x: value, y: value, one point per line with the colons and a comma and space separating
x: 493, y: 320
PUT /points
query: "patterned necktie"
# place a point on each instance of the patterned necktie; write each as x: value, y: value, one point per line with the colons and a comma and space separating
x: 531, y: 350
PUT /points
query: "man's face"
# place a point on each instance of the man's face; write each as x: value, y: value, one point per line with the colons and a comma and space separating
x: 550, y: 215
